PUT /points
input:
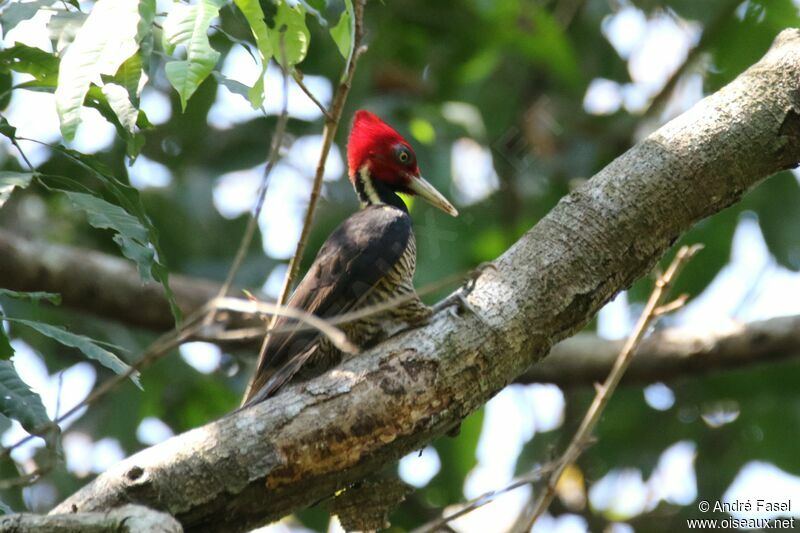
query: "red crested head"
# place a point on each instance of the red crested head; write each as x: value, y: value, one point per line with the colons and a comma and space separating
x: 376, y: 152
x: 387, y: 155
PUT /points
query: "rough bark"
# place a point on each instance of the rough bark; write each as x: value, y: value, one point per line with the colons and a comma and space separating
x: 128, y: 518
x: 586, y: 359
x: 259, y: 464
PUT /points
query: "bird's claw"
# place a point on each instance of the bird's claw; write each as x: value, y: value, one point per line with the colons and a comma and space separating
x: 477, y: 272
x: 457, y: 302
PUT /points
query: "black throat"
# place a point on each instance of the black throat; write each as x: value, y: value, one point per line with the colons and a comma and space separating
x: 374, y: 192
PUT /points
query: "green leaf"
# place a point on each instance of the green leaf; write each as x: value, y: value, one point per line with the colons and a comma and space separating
x: 97, y: 100
x: 9, y: 180
x: 7, y: 129
x: 110, y: 36
x: 144, y: 32
x: 290, y: 22
x: 132, y: 237
x: 130, y: 201
x: 256, y: 93
x: 16, y: 12
x: 89, y: 162
x: 44, y: 67
x: 134, y: 145
x: 87, y: 346
x: 36, y: 296
x: 122, y: 92
x: 131, y: 78
x: 19, y: 402
x: 255, y: 18
x: 134, y: 140
x: 187, y: 25
x: 5, y: 89
x: 119, y: 101
x: 342, y: 33
x: 236, y: 87
x: 6, y: 351
x: 29, y: 60
x: 161, y: 275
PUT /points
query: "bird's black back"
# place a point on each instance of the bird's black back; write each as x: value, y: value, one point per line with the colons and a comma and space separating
x: 354, y: 258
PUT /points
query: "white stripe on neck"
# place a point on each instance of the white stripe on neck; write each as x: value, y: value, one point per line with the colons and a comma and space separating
x: 369, y: 188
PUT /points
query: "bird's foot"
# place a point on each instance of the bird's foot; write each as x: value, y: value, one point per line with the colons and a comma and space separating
x: 417, y: 316
x: 457, y: 302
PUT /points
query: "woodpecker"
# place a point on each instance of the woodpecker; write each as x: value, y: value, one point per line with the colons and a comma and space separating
x: 370, y: 258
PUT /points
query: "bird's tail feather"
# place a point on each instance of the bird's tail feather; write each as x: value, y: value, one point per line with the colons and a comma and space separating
x: 278, y: 378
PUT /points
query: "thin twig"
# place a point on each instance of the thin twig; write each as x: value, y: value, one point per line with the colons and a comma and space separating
x: 59, y: 389
x: 335, y: 335
x: 298, y: 79
x: 67, y: 6
x: 241, y: 42
x: 331, y: 125
x: 13, y: 138
x: 535, y: 509
x: 14, y: 141
x: 161, y: 346
x: 391, y: 303
x: 485, y: 498
x: 250, y: 333
x: 24, y: 480
x: 252, y: 223
x: 669, y: 307
x: 236, y: 335
x: 332, y: 120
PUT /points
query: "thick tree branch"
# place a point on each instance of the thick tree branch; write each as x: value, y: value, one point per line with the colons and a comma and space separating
x: 299, y: 447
